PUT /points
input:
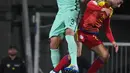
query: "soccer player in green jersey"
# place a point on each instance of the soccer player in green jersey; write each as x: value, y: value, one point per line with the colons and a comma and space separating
x: 65, y: 25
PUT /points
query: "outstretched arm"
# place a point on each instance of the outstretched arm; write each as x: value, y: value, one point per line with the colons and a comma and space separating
x: 108, y: 31
x: 109, y: 34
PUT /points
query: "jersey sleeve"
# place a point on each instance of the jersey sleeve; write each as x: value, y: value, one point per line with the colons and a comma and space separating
x: 93, y: 5
x: 108, y: 31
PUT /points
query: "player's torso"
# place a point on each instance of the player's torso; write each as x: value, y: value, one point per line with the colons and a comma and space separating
x: 93, y: 20
x: 68, y: 4
x: 12, y: 66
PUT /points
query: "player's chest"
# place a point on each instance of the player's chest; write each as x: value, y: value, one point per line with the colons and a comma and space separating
x: 11, y: 64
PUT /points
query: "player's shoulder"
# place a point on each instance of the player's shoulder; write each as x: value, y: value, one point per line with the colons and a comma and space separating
x: 93, y: 2
x: 101, y: 3
x: 5, y: 58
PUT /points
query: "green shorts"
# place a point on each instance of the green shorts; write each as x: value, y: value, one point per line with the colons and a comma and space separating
x: 63, y: 21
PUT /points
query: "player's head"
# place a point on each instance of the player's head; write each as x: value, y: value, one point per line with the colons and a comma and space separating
x: 112, y: 3
x: 12, y: 51
x: 115, y: 3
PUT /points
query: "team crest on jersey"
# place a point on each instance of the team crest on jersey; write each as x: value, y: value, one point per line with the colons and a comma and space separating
x: 81, y: 37
x: 13, y: 68
x: 16, y: 65
x: 8, y: 65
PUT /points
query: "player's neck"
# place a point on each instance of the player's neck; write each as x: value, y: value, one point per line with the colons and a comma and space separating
x: 12, y: 57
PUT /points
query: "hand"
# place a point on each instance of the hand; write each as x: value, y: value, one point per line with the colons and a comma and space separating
x: 108, y: 11
x: 115, y: 46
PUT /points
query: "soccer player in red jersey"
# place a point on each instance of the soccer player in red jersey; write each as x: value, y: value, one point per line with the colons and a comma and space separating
x: 97, y: 14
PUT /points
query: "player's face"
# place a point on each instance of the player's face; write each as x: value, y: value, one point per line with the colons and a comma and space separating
x: 12, y: 52
x: 115, y: 3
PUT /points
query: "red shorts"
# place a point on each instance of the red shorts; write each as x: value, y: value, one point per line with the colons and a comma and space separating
x: 90, y: 40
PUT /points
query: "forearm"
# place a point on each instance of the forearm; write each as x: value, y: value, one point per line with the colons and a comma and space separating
x: 108, y: 31
x: 110, y: 37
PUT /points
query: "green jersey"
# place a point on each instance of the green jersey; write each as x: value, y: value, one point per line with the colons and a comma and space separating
x: 68, y: 4
x: 66, y: 17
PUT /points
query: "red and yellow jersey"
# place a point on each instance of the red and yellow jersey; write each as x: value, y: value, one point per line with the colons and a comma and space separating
x: 94, y: 18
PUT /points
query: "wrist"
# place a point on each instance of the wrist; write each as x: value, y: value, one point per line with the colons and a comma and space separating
x: 113, y: 42
x: 103, y: 9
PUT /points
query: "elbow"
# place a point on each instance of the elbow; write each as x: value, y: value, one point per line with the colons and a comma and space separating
x: 107, y: 33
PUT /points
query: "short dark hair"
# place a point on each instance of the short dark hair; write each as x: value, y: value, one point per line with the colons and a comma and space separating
x: 12, y: 46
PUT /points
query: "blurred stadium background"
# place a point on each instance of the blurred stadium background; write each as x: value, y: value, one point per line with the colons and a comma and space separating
x: 12, y: 33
